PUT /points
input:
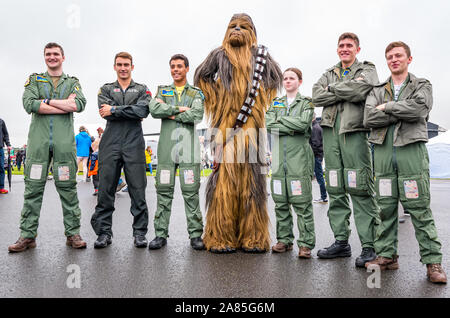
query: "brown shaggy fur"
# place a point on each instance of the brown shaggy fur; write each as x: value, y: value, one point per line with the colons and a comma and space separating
x: 236, y: 193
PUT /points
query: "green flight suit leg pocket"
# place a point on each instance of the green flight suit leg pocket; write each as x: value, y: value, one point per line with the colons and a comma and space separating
x: 278, y: 190
x: 35, y: 178
x: 414, y: 192
x: 334, y: 181
x: 65, y: 182
x: 165, y: 177
x: 356, y: 181
x: 299, y: 189
x: 190, y: 178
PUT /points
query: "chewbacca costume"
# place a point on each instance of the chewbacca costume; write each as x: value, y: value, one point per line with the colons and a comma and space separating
x: 236, y: 195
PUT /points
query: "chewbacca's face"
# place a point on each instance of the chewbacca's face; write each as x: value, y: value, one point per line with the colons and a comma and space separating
x: 240, y: 32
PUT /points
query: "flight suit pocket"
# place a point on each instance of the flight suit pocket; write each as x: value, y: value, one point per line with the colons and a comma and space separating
x: 386, y: 187
x: 356, y: 181
x: 299, y: 189
x: 190, y: 178
x: 278, y: 190
x: 334, y: 181
x: 64, y: 172
x: 36, y: 171
x: 414, y: 191
x: 165, y: 177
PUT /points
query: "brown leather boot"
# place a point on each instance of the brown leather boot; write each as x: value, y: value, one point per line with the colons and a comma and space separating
x: 304, y: 252
x: 75, y: 241
x: 384, y: 262
x: 22, y: 244
x: 280, y: 247
x: 436, y: 274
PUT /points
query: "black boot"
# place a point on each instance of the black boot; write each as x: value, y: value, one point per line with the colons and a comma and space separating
x: 337, y: 249
x: 368, y: 254
x: 197, y: 243
x: 103, y: 240
x: 157, y: 243
x: 140, y: 241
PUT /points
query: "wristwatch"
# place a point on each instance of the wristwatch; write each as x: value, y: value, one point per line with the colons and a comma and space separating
x: 113, y: 110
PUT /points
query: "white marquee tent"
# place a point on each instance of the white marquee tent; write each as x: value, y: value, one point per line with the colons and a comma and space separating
x: 439, y: 153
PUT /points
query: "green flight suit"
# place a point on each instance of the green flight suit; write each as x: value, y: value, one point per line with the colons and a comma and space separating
x: 293, y: 168
x: 122, y: 146
x: 348, y: 159
x: 178, y: 147
x: 402, y: 165
x: 50, y: 137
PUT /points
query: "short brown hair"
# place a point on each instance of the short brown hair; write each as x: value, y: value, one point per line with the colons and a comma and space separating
x: 52, y: 45
x: 296, y: 71
x: 349, y: 35
x: 180, y: 57
x: 398, y: 44
x: 124, y: 55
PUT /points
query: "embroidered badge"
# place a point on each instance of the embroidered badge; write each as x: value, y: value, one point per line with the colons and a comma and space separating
x: 116, y: 90
x: 278, y: 104
x: 166, y: 92
x: 41, y: 79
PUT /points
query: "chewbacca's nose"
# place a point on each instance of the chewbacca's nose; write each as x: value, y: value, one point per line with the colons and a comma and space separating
x: 237, y: 28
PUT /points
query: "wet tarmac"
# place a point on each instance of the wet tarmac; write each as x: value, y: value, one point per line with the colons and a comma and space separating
x: 121, y: 270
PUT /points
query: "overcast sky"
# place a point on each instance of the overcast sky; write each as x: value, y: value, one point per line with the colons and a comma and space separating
x: 298, y: 33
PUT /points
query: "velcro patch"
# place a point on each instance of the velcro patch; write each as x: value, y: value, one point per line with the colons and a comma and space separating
x: 278, y: 104
x: 41, y: 79
x: 166, y: 92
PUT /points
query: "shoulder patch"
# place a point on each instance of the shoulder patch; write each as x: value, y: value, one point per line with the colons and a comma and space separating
x: 27, y: 82
x: 73, y: 77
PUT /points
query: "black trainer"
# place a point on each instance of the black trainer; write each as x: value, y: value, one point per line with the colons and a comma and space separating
x: 337, y: 249
x: 103, y: 240
x: 197, y: 243
x: 157, y: 243
x: 368, y: 254
x: 140, y: 241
